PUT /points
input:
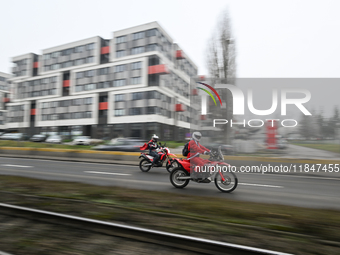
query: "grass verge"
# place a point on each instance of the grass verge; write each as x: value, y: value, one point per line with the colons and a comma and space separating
x: 282, y: 228
x: 326, y: 147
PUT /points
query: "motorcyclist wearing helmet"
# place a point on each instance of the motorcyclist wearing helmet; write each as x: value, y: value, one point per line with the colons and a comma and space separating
x: 195, y: 149
x: 153, y: 146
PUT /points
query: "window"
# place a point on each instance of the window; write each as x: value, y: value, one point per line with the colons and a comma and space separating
x: 135, y: 111
x: 107, y: 84
x: 153, y: 95
x: 119, y: 112
x: 79, y: 49
x: 137, y: 96
x: 89, y: 59
x: 151, y: 32
x: 119, y: 97
x: 79, y: 88
x: 121, y: 39
x: 102, y: 113
x: 89, y: 73
x: 88, y: 100
x: 136, y: 65
x: 90, y: 86
x: 151, y: 110
x: 80, y: 75
x: 152, y: 47
x: 120, y: 53
x: 138, y: 35
x: 77, y: 101
x: 90, y: 46
x: 120, y: 68
x: 119, y: 83
x: 88, y: 114
x: 136, y: 80
x: 137, y: 50
x: 103, y: 71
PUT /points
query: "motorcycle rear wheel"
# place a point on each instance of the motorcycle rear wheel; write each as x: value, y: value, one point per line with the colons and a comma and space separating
x: 178, y: 172
x: 143, y: 167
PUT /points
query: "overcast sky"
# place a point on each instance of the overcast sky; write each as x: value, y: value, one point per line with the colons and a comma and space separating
x: 273, y: 38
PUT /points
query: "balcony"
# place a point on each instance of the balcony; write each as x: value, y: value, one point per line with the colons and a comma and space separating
x: 158, y: 69
x: 103, y: 106
x: 66, y: 83
x: 179, y: 108
x: 105, y: 50
x: 35, y: 64
x: 179, y: 54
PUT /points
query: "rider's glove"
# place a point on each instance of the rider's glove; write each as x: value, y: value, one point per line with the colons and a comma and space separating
x: 206, y: 152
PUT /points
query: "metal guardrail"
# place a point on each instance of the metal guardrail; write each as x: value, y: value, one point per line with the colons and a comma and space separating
x: 189, y: 243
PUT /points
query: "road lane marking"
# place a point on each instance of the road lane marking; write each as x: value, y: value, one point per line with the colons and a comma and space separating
x: 94, y: 172
x: 14, y: 165
x: 261, y: 185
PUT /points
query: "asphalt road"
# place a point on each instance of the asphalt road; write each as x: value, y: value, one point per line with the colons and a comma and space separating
x: 303, y: 191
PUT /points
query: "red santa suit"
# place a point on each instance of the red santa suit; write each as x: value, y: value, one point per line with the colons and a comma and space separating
x: 195, y: 149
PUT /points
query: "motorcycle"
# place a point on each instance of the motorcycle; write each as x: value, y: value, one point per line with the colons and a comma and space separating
x: 165, y: 156
x: 225, y: 181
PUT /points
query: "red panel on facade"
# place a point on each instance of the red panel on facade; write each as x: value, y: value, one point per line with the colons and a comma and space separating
x: 66, y: 83
x: 103, y: 106
x: 203, y: 117
x: 194, y: 92
x: 105, y: 50
x: 158, y: 69
x: 33, y: 111
x: 179, y: 108
x: 179, y: 54
x: 5, y: 100
x: 35, y: 64
x: 202, y: 78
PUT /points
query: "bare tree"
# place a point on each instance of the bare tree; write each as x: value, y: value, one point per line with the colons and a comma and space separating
x: 221, y: 55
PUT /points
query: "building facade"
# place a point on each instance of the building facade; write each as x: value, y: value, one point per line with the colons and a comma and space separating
x: 133, y: 85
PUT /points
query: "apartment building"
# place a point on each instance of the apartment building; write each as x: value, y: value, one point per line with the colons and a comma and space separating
x: 135, y: 84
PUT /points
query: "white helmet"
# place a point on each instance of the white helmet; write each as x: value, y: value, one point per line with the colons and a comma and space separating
x: 154, y: 138
x: 196, y: 136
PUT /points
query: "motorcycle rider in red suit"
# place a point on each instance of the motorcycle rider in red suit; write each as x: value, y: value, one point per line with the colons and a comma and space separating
x: 153, y: 146
x: 195, y: 149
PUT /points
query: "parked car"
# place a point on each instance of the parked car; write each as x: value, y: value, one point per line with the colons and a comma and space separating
x: 38, y: 138
x: 14, y: 136
x: 7, y: 136
x: 281, y: 143
x: 54, y: 139
x: 121, y: 144
x: 82, y: 140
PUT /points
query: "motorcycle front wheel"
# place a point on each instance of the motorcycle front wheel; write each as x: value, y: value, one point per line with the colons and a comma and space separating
x: 229, y: 184
x: 173, y: 164
x: 178, y: 172
x: 144, y: 165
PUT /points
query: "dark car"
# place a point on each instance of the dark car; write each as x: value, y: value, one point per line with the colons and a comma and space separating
x: 38, y: 138
x: 226, y: 149
x: 121, y: 144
